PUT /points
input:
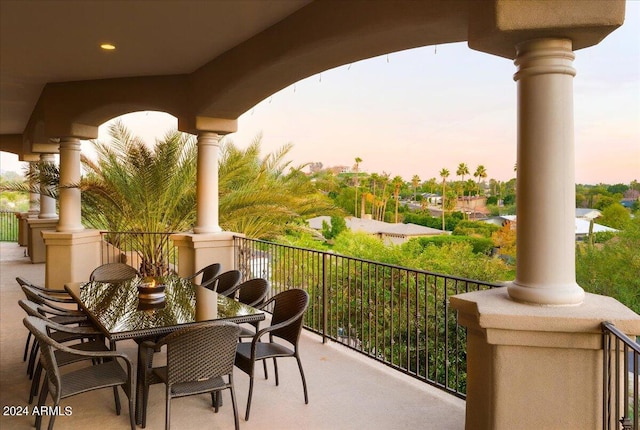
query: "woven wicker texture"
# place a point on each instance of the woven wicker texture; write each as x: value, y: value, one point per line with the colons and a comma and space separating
x: 92, y: 340
x: 42, y: 311
x: 225, y: 282
x: 286, y: 324
x: 253, y: 293
x: 112, y: 272
x: 208, y: 273
x: 44, y: 296
x: 198, y: 359
x: 108, y: 373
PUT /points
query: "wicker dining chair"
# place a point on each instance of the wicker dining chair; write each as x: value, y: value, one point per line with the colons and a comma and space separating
x: 113, y: 272
x: 286, y: 324
x: 199, y: 358
x: 54, y: 312
x: 208, y: 273
x: 106, y: 373
x: 48, y: 296
x: 90, y: 340
x: 225, y: 282
x: 252, y: 293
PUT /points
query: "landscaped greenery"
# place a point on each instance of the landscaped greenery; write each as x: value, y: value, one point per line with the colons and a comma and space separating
x: 613, y: 267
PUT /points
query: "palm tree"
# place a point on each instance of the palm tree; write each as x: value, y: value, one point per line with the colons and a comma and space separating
x: 462, y: 170
x: 136, y: 189
x: 480, y: 173
x: 415, y: 181
x: 357, y: 166
x: 259, y: 198
x: 444, y: 174
x: 384, y: 195
x: 397, y: 184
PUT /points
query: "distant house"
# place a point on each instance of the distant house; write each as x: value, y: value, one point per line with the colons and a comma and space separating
x: 391, y: 233
x: 582, y: 225
x: 587, y: 213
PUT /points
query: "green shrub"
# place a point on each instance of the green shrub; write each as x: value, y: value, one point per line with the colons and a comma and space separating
x: 480, y: 245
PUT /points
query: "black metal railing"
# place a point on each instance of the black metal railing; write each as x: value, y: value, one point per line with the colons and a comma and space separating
x: 9, y: 226
x: 395, y: 315
x: 153, y: 254
x: 620, y: 380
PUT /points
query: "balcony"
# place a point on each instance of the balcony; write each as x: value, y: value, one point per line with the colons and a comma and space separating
x: 346, y: 389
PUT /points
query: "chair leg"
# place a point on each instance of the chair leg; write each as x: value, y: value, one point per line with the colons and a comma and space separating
x: 35, y: 383
x: 52, y: 418
x: 132, y: 407
x: 234, y: 404
x: 41, y: 400
x: 246, y: 414
x: 26, y: 347
x: 275, y: 370
x: 32, y: 359
x: 116, y: 397
x: 264, y: 367
x: 304, y: 381
x: 167, y: 417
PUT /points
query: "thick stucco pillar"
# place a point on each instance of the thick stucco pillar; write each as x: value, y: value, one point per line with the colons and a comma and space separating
x: 69, y: 197
x: 47, y: 203
x: 545, y: 272
x: 207, y: 220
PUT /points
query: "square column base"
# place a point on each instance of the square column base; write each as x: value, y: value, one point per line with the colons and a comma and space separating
x: 196, y: 251
x: 536, y: 367
x: 71, y: 257
x: 35, y: 244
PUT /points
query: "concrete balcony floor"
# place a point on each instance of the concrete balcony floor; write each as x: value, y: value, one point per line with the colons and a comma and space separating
x: 346, y: 390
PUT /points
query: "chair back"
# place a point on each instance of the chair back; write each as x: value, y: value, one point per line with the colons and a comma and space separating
x: 210, y: 272
x: 202, y: 351
x: 113, y: 272
x: 225, y: 282
x: 23, y: 282
x: 33, y: 295
x: 39, y: 328
x: 289, y: 305
x: 31, y: 308
x: 253, y: 292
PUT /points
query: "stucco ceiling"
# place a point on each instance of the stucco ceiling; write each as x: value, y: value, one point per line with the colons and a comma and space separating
x: 209, y: 61
x: 44, y: 41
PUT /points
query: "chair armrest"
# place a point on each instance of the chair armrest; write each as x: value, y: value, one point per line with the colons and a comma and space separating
x: 83, y: 330
x: 61, y: 312
x: 199, y: 272
x: 98, y: 354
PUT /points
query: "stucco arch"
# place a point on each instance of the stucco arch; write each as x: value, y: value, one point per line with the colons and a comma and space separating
x: 319, y: 36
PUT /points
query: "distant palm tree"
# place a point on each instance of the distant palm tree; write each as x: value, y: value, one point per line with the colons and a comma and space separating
x: 444, y: 174
x: 397, y: 184
x: 357, y: 166
x: 462, y: 170
x: 480, y: 173
x: 415, y: 181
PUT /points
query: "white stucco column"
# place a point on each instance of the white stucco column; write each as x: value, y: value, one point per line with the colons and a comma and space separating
x: 545, y: 272
x: 207, y: 220
x: 47, y: 203
x: 34, y: 199
x: 69, y: 197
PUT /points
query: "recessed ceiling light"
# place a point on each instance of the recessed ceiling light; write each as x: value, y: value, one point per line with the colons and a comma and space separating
x: 108, y: 46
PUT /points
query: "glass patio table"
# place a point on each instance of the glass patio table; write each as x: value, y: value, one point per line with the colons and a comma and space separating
x: 121, y: 312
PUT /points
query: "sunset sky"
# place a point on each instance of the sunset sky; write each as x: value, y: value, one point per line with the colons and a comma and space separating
x: 421, y: 110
